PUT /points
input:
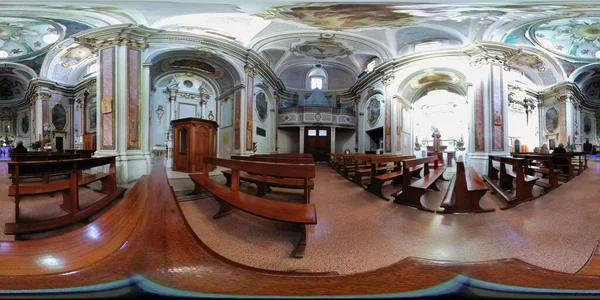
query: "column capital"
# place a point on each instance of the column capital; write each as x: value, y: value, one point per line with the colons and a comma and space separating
x: 388, y: 79
x: 44, y: 96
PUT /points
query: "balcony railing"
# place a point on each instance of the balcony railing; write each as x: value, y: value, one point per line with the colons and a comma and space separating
x: 307, y: 115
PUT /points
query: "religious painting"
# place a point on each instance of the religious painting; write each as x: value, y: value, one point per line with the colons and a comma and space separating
x: 59, y: 117
x: 321, y: 48
x: 551, y: 119
x: 25, y: 125
x: 342, y: 16
x: 261, y: 106
x: 92, y: 117
x: 373, y: 112
x: 193, y: 64
x: 6, y: 127
x: 587, y: 124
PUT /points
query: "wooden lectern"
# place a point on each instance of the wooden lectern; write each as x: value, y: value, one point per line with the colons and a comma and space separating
x: 193, y: 139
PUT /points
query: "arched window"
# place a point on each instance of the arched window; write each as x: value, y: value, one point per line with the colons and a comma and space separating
x: 317, y: 79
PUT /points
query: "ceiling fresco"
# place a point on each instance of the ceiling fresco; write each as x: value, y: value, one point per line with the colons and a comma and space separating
x: 321, y: 48
x: 336, y: 16
x: 24, y: 38
x: 575, y: 38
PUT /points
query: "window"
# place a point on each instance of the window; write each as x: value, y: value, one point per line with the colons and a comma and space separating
x: 316, y: 83
x: 312, y: 132
x: 316, y: 79
x: 322, y: 132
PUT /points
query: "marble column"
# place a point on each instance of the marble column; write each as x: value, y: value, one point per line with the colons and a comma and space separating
x: 146, y: 114
x: 72, y: 123
x: 172, y: 94
x: 332, y: 150
x: 39, y: 115
x: 301, y: 150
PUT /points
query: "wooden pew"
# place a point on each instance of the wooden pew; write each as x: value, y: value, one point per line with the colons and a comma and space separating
x: 501, y: 180
x: 412, y: 191
x: 83, y: 152
x: 386, y: 168
x: 231, y: 198
x: 543, y: 164
x: 39, y: 156
x: 579, y: 164
x: 264, y: 183
x: 465, y: 190
x: 564, y: 161
x: 68, y: 187
x: 304, y: 160
x: 136, y: 236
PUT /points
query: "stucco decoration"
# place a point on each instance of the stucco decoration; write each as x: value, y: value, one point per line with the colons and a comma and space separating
x: 575, y: 38
x: 321, y: 48
x: 22, y: 38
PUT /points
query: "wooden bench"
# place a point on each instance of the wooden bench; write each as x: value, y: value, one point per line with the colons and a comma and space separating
x: 68, y: 187
x: 231, y: 198
x: 411, y: 193
x: 264, y: 183
x: 39, y: 156
x: 386, y: 168
x: 501, y: 180
x: 83, y: 152
x: 543, y: 164
x: 465, y: 190
x: 564, y: 161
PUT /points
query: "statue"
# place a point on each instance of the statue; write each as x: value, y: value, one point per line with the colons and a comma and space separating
x: 173, y: 83
x: 436, y: 135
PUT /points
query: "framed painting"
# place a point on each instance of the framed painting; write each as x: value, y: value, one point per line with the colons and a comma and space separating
x: 587, y: 124
x: 373, y: 112
x: 551, y: 119
x: 24, y: 125
x: 59, y: 117
x: 261, y: 106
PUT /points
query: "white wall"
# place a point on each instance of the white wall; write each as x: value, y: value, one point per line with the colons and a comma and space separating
x: 289, y: 140
x: 344, y: 139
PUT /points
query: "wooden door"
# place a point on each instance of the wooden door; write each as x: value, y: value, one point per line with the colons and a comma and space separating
x: 181, y: 149
x: 317, y: 141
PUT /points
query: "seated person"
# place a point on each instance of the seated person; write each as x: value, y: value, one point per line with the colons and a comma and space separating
x: 587, y: 146
x: 561, y: 160
x: 544, y: 150
x: 19, y: 148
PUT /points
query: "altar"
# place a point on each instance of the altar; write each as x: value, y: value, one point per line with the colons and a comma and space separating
x: 5, y: 150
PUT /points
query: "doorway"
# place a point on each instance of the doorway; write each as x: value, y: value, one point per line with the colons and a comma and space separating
x: 317, y: 141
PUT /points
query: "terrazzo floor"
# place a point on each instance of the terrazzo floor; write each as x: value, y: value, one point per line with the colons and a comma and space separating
x: 358, y: 231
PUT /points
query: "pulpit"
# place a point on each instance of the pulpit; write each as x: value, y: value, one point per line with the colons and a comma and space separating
x: 193, y: 139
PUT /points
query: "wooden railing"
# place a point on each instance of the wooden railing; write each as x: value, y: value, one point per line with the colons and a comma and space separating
x: 144, y: 244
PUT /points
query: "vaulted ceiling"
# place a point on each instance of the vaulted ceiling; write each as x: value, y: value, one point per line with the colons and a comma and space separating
x: 339, y: 37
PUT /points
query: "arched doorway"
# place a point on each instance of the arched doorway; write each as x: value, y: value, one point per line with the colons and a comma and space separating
x: 449, y: 114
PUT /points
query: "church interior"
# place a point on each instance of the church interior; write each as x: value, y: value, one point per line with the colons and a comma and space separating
x: 185, y: 149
